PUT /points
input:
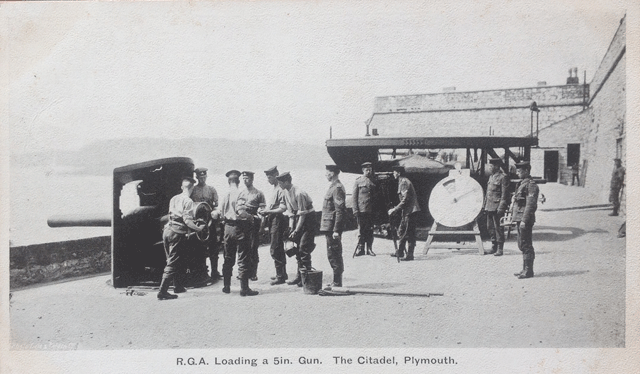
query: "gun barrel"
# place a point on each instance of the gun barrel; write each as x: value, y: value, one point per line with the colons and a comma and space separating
x: 75, y: 220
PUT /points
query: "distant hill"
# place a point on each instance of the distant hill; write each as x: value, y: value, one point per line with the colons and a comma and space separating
x: 219, y: 155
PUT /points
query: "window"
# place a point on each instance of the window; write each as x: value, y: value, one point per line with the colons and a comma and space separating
x: 573, y: 154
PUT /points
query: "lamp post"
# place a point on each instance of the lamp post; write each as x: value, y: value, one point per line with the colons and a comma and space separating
x: 534, y: 108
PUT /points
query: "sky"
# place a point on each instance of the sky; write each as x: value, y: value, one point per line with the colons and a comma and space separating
x: 279, y: 70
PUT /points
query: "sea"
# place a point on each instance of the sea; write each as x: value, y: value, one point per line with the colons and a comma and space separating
x: 37, y: 193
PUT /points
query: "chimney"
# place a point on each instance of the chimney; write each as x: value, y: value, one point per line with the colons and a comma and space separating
x: 572, y: 79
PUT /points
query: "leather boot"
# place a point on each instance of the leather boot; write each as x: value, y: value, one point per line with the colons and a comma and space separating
x: 409, y: 256
x: 215, y: 275
x: 523, y: 267
x: 337, y: 280
x: 177, y: 284
x: 244, y: 288
x: 164, y: 287
x: 297, y: 281
x: 370, y: 249
x: 500, y: 250
x: 360, y: 250
x: 528, y: 270
x: 399, y: 252
x: 494, y: 248
x: 227, y: 284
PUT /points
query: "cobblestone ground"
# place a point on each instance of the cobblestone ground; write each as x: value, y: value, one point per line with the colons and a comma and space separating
x: 576, y: 299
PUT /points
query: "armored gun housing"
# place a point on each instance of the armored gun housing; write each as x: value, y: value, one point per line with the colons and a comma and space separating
x: 137, y: 252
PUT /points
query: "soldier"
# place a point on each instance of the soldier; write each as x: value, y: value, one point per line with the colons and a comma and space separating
x: 495, y: 204
x: 363, y: 199
x: 253, y: 200
x: 302, y: 223
x: 575, y: 173
x: 333, y: 212
x: 174, y: 238
x: 525, y: 203
x: 275, y: 221
x: 202, y: 192
x: 408, y: 207
x: 237, y: 237
x: 617, y: 181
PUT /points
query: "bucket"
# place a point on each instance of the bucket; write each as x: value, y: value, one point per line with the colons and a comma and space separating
x: 311, y: 281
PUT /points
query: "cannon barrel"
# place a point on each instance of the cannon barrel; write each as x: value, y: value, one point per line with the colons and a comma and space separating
x: 75, y: 220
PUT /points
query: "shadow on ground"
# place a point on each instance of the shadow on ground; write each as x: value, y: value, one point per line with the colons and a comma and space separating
x: 562, y: 273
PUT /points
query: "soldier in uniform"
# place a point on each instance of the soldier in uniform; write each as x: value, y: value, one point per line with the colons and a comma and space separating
x: 237, y: 237
x: 525, y: 203
x: 333, y: 212
x: 408, y: 207
x: 302, y: 225
x: 363, y: 200
x: 495, y: 204
x: 253, y: 199
x: 202, y: 192
x: 617, y: 180
x: 174, y: 238
x: 277, y: 225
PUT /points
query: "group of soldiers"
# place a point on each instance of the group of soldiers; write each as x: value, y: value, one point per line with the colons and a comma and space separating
x: 523, y: 211
x: 288, y: 214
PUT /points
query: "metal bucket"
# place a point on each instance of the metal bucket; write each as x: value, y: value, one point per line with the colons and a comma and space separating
x: 311, y: 281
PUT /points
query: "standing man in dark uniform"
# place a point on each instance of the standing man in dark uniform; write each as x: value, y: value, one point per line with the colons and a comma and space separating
x: 202, y: 192
x: 333, y: 212
x: 408, y: 207
x: 575, y: 174
x: 277, y: 225
x: 302, y: 225
x: 525, y: 203
x: 253, y: 199
x: 617, y: 181
x: 237, y: 237
x: 174, y: 238
x: 495, y: 204
x: 363, y: 199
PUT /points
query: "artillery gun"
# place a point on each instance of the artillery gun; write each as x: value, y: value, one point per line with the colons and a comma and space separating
x: 137, y: 252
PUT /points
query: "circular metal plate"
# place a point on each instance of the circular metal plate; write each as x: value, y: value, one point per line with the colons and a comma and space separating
x: 456, y: 201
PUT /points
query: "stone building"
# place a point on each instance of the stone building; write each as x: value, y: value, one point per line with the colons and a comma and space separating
x: 575, y: 123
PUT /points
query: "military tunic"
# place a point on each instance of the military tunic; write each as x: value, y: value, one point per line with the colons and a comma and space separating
x: 333, y: 212
x: 408, y: 206
x: 525, y: 203
x: 495, y: 204
x: 363, y: 199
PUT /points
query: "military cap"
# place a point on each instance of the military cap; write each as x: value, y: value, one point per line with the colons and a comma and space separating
x: 523, y: 165
x: 495, y: 160
x: 332, y: 168
x: 272, y: 171
x: 398, y: 168
x: 201, y: 171
x: 236, y: 172
x: 367, y: 165
x: 284, y: 177
x: 249, y: 173
x: 190, y: 179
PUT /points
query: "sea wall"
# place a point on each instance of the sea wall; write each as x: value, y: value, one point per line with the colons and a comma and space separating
x: 48, y: 262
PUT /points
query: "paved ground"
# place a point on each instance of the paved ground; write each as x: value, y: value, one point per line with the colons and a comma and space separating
x: 576, y: 299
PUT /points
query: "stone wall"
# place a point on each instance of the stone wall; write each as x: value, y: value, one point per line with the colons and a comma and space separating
x: 41, y: 263
x: 470, y: 122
